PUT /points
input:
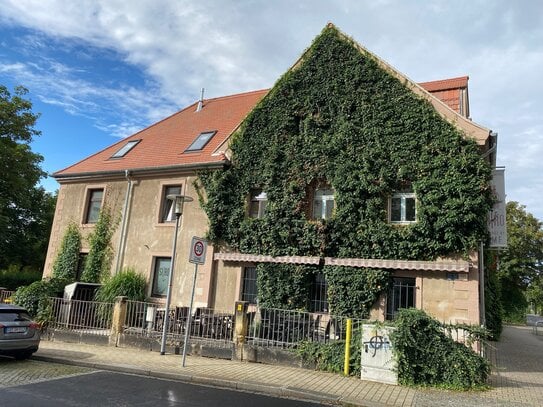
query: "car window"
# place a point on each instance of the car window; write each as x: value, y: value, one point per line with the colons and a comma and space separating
x: 9, y: 315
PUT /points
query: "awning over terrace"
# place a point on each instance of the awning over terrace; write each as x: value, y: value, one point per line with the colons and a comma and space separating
x: 458, y: 266
x: 258, y: 258
x: 440, y: 265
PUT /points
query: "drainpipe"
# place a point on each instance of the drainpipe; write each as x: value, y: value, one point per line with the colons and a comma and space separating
x: 482, y: 304
x: 124, y: 222
x: 494, y: 138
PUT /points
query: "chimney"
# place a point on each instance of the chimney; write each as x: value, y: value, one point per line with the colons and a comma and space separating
x: 201, y: 101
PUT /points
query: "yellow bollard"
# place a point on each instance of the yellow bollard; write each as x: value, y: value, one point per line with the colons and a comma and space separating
x: 347, y: 347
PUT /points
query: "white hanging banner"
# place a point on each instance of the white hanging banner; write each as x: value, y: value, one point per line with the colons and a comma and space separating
x: 497, y: 225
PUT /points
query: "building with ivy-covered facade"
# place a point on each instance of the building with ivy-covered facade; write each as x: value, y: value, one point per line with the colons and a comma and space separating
x: 346, y: 188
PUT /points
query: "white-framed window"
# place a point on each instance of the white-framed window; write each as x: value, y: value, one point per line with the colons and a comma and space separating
x: 161, y: 276
x: 403, y: 208
x: 94, y: 204
x: 167, y: 213
x: 323, y: 203
x: 258, y: 203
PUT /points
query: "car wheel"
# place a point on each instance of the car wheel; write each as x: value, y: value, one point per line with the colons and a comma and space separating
x: 23, y: 355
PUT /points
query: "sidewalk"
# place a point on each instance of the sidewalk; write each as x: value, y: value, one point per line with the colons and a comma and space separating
x: 518, y: 380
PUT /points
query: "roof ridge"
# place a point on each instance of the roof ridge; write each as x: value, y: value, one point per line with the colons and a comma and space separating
x: 447, y: 83
x: 456, y: 78
x: 237, y: 94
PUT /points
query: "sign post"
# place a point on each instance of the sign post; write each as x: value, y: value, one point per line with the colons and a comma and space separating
x: 198, y: 248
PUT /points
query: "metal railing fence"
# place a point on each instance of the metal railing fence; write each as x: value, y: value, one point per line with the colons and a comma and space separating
x: 285, y: 329
x: 538, y: 328
x: 146, y: 320
x: 90, y: 317
x: 5, y: 296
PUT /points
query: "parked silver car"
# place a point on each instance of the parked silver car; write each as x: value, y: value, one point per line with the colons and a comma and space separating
x: 19, y: 335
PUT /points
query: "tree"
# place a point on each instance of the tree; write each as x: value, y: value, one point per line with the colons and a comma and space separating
x: 26, y: 210
x: 521, y: 264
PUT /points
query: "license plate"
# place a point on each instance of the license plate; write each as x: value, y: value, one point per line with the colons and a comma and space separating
x: 15, y: 329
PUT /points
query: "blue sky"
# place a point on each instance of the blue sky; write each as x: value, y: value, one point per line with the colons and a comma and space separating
x: 98, y: 70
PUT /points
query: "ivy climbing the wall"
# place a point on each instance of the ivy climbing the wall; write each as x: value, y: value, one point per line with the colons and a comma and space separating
x: 284, y: 284
x: 98, y: 262
x: 339, y: 118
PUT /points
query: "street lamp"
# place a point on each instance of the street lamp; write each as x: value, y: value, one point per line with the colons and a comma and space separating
x: 177, y: 203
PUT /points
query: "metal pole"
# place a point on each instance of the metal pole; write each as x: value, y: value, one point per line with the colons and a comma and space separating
x: 347, y: 347
x: 169, y: 293
x: 189, y: 318
x: 482, y: 284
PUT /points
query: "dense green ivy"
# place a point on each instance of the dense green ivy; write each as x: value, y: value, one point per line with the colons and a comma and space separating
x: 287, y: 285
x: 341, y: 119
x: 67, y: 260
x: 98, y: 262
x: 493, y: 303
x: 426, y: 355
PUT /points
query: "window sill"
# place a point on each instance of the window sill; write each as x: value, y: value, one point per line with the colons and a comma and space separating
x: 165, y: 225
x: 158, y: 299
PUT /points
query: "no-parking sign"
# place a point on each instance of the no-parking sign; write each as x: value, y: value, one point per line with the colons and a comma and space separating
x: 198, y: 249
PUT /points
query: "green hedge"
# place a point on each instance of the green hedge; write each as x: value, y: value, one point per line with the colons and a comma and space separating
x: 493, y: 301
x: 427, y: 356
x: 35, y: 297
x: 127, y: 283
x: 330, y: 357
x: 16, y: 276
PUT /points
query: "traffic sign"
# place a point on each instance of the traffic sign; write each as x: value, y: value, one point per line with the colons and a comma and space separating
x: 198, y: 249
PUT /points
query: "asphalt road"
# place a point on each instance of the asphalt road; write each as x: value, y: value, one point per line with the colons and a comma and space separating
x: 33, y: 383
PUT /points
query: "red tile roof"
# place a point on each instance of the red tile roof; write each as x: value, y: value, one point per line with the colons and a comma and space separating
x: 448, y: 91
x: 163, y: 144
x: 445, y: 84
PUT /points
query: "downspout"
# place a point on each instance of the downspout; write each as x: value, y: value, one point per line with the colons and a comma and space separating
x: 124, y: 222
x: 482, y: 305
x: 494, y: 138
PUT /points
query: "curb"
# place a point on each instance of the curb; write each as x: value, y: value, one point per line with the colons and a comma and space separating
x: 250, y: 387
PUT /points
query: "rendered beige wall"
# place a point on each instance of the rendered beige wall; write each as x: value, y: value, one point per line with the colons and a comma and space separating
x: 218, y: 282
x: 70, y: 208
x: 228, y: 287
x: 455, y: 301
x: 146, y: 237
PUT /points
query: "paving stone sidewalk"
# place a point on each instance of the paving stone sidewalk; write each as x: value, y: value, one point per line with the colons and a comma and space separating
x: 517, y: 381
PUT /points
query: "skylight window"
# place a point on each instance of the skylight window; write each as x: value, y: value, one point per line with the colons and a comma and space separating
x: 125, y: 149
x: 201, y: 141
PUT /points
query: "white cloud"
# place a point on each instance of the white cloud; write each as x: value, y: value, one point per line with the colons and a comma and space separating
x: 54, y: 84
x: 233, y: 46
